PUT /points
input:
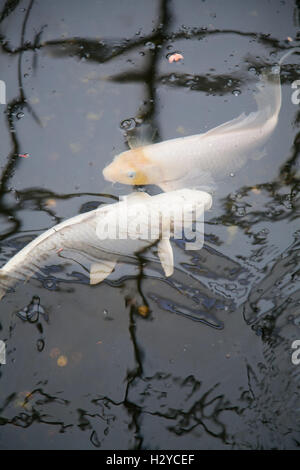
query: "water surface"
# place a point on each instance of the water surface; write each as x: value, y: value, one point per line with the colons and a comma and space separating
x: 201, y: 360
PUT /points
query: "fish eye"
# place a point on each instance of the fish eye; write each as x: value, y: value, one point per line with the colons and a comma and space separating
x: 131, y: 174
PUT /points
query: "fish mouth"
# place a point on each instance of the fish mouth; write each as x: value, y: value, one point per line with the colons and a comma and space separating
x: 108, y: 173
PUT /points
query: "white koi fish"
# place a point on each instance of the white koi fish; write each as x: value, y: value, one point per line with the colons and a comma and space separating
x: 199, y: 160
x: 82, y: 238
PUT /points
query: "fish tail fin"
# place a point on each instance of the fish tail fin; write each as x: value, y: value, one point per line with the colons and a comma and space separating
x: 268, y: 96
x: 268, y: 100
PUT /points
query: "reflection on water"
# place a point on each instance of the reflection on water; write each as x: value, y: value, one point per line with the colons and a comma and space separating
x: 198, y: 360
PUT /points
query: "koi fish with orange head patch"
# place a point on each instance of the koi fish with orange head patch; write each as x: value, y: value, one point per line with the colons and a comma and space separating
x: 197, y: 161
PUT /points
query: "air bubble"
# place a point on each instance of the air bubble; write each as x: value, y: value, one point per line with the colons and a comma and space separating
x: 40, y: 344
x: 128, y: 124
x: 241, y: 211
x: 150, y: 45
x: 49, y: 284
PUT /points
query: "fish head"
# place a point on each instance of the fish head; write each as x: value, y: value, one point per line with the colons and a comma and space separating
x: 132, y: 167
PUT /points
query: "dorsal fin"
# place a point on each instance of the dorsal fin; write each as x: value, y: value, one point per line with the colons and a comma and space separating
x: 135, y: 142
x: 141, y: 136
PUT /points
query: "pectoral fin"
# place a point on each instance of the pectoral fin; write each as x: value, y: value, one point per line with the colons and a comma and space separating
x: 141, y: 137
x: 165, y: 254
x: 99, y: 271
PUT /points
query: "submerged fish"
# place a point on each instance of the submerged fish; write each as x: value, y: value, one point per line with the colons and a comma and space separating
x: 198, y: 160
x: 90, y: 239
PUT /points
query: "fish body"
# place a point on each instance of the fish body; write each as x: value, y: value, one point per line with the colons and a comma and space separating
x: 198, y: 160
x: 79, y: 239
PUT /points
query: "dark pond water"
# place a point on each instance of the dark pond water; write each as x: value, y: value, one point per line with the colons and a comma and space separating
x: 199, y: 360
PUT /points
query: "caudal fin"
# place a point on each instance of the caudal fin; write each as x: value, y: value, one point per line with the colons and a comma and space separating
x: 268, y: 97
x: 268, y: 100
